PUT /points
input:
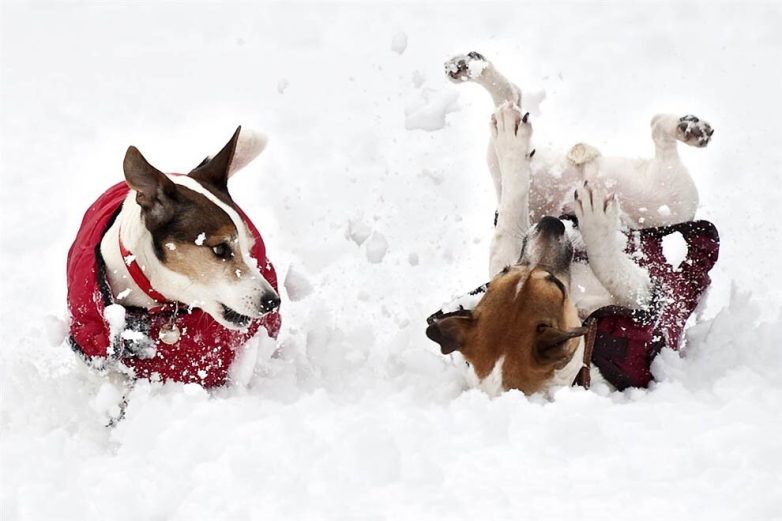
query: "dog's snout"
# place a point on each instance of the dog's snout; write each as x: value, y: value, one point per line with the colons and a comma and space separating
x: 551, y: 226
x: 269, y: 302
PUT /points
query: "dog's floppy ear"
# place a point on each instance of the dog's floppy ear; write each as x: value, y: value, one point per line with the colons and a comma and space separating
x: 551, y: 345
x: 451, y: 330
x: 154, y: 190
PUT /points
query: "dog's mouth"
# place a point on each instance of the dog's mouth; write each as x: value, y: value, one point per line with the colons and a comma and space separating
x: 235, y: 317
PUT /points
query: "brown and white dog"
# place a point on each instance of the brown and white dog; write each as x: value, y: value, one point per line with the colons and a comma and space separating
x: 526, y: 331
x: 192, y: 243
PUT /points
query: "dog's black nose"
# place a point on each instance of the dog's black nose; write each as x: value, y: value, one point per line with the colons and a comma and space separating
x: 269, y: 302
x: 551, y: 226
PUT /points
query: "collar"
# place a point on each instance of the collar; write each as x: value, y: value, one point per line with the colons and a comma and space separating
x: 583, y: 377
x: 137, y: 274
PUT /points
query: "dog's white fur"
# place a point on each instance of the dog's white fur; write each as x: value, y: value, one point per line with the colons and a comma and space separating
x: 654, y: 192
x: 623, y: 282
x: 242, y: 293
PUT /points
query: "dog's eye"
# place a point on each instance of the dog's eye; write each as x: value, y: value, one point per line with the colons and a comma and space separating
x: 542, y: 327
x: 222, y: 251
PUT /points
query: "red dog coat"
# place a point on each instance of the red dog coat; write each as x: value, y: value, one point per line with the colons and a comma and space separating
x: 204, y: 351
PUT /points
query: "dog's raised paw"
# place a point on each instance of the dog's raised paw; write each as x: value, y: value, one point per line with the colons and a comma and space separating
x: 694, y: 131
x: 511, y: 131
x: 465, y: 67
x: 597, y: 212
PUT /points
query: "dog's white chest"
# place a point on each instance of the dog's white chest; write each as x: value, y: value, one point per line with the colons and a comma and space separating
x: 492, y: 383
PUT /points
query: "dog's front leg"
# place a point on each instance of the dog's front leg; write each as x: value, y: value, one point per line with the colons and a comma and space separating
x: 510, y: 134
x: 598, y: 221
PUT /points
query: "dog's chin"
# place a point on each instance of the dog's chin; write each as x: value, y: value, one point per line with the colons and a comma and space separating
x: 233, y: 319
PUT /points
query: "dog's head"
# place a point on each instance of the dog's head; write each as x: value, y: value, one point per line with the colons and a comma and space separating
x: 526, y: 316
x: 202, y: 244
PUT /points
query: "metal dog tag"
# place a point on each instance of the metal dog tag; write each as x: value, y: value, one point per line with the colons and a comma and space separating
x: 169, y: 334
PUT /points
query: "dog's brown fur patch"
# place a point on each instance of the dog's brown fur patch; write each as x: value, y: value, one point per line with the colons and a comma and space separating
x: 200, y: 263
x: 524, y: 317
x: 179, y: 247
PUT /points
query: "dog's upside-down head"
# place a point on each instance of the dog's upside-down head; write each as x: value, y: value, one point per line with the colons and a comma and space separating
x: 198, y: 237
x: 526, y: 320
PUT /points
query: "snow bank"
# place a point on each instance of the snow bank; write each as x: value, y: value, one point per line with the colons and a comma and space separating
x: 353, y: 413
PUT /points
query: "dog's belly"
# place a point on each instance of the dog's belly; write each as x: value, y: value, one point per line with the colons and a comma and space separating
x: 651, y: 193
x: 552, y: 182
x: 586, y: 291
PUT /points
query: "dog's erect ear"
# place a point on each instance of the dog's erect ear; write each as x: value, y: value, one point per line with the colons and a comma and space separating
x: 244, y: 146
x: 551, y: 345
x: 215, y: 171
x: 451, y: 331
x: 154, y: 190
x: 249, y: 146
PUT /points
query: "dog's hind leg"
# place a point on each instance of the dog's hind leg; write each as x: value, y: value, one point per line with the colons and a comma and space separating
x: 474, y: 67
x: 667, y: 129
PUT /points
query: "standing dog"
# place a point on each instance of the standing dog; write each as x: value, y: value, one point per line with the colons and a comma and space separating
x: 526, y: 331
x: 167, y: 276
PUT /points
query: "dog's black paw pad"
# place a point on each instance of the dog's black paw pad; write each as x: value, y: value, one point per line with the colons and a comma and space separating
x: 694, y: 131
x: 465, y: 66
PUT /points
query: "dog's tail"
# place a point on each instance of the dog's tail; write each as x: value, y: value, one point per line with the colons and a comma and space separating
x: 475, y: 67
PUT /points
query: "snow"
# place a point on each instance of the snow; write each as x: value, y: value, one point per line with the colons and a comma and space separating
x: 377, y: 247
x: 399, y: 42
x: 358, y: 231
x: 428, y: 108
x: 674, y: 249
x: 297, y: 285
x: 353, y: 413
x: 199, y: 241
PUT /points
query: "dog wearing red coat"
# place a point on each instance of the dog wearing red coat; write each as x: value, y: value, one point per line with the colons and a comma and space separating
x: 168, y: 277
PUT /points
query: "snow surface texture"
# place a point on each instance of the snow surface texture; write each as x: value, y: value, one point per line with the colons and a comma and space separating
x: 354, y: 414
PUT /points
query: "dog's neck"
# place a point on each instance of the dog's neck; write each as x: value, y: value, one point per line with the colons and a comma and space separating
x: 136, y: 239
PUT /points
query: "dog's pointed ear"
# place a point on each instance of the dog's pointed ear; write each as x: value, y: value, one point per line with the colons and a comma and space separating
x: 551, y: 345
x: 214, y: 171
x: 154, y: 190
x: 451, y: 331
x: 249, y: 146
x: 244, y: 146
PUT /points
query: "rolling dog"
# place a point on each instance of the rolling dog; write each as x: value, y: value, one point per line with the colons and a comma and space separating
x: 562, y: 296
x: 167, y: 277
